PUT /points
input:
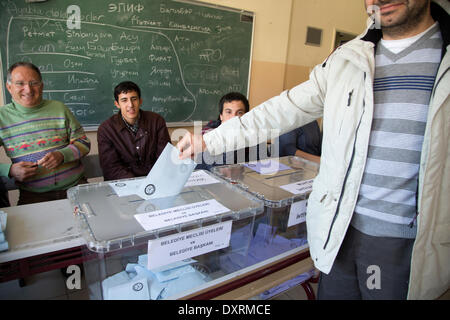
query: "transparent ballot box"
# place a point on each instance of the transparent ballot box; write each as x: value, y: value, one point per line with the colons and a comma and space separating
x: 162, y: 248
x: 284, y: 184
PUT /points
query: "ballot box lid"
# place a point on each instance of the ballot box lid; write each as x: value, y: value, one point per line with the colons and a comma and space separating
x: 277, y: 181
x: 111, y: 217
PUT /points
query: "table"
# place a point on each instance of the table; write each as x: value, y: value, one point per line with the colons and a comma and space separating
x: 41, y: 237
x: 44, y: 237
x: 253, y: 280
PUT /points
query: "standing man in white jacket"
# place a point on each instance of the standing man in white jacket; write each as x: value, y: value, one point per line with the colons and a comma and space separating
x: 378, y: 219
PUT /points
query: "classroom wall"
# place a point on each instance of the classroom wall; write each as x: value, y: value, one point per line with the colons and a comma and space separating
x: 343, y: 15
x: 280, y: 57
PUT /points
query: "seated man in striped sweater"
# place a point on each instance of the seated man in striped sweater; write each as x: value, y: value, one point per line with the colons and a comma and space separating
x: 41, y: 137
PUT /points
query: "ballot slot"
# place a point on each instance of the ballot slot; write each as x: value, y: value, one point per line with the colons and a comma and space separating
x: 282, y: 226
x: 130, y: 260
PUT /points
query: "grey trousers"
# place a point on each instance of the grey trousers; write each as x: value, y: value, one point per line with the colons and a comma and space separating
x: 368, y: 267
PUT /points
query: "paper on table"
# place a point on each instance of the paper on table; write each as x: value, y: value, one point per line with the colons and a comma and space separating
x: 299, y: 187
x: 180, y: 214
x: 168, y: 175
x: 156, y: 204
x: 199, y: 178
x: 267, y: 166
x: 125, y: 188
x: 188, y: 244
x: 129, y: 187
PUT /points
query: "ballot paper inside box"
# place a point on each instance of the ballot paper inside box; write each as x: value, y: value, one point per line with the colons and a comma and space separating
x: 284, y: 184
x: 161, y: 248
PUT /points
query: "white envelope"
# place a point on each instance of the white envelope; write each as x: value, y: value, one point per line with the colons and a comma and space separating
x: 168, y: 176
x: 136, y: 289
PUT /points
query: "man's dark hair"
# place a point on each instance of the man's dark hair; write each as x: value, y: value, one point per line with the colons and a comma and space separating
x: 233, y: 96
x: 22, y: 64
x: 125, y: 87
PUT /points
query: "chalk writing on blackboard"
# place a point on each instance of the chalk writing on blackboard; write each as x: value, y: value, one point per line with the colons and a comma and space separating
x: 183, y: 56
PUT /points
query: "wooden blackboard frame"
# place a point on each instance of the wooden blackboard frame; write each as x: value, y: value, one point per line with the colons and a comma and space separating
x: 242, y: 12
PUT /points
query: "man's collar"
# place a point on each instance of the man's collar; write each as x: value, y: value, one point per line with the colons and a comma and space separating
x: 123, y: 124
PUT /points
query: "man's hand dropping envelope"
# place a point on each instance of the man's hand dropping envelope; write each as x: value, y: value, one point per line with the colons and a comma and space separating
x: 168, y: 176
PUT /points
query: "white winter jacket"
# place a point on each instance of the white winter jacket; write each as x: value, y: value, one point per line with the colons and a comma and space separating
x: 341, y: 91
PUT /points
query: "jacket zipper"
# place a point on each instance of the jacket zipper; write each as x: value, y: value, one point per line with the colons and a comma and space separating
x: 345, y: 179
x: 349, y: 101
x: 349, y: 98
x: 340, y: 199
x: 411, y: 224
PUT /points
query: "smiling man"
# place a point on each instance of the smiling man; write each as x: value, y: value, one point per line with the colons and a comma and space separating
x: 130, y: 142
x: 43, y: 139
x: 377, y: 218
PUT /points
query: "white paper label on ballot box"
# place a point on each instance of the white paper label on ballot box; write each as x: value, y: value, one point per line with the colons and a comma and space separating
x: 181, y: 214
x: 297, y: 214
x: 299, y: 187
x: 188, y: 244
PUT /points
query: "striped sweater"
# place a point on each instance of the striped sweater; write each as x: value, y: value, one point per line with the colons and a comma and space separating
x: 27, y: 134
x: 403, y: 83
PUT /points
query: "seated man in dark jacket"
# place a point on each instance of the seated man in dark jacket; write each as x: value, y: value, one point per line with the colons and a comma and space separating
x: 231, y: 105
x: 304, y: 142
x: 130, y: 142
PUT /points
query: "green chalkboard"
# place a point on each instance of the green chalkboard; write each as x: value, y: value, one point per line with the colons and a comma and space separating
x: 183, y: 55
